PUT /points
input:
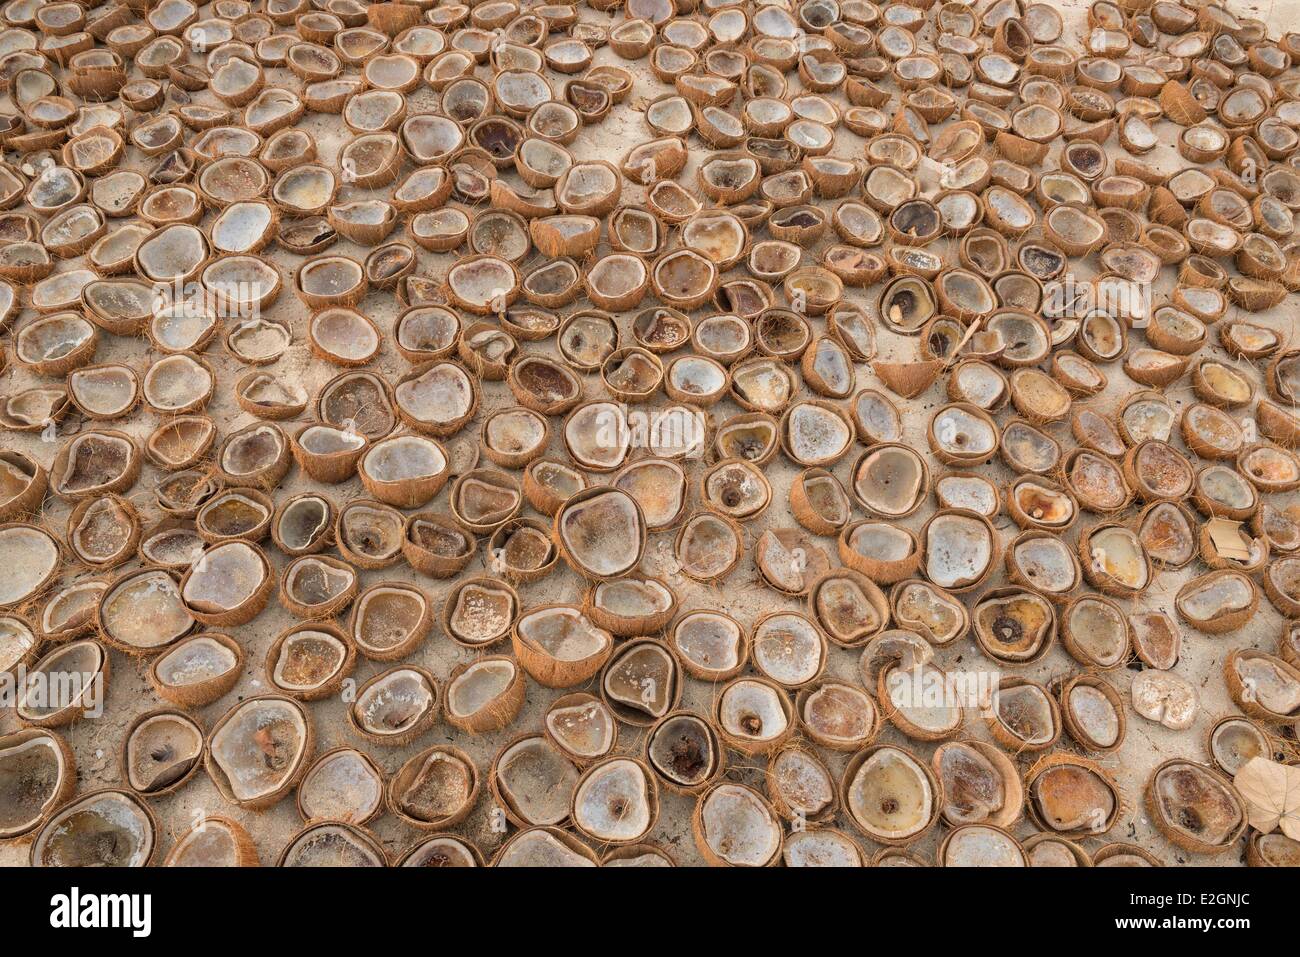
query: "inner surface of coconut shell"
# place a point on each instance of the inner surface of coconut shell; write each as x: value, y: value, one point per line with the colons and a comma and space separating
x: 734, y: 433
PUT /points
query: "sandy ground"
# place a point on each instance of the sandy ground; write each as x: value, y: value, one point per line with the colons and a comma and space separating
x: 96, y: 742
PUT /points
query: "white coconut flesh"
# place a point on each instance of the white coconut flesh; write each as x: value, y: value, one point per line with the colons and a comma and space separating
x: 832, y: 364
x: 738, y: 488
x: 240, y: 226
x: 176, y: 382
x: 482, y: 614
x: 633, y: 598
x: 1274, y: 689
x: 1165, y: 698
x: 881, y: 541
x: 324, y: 440
x: 1118, y: 553
x: 265, y: 391
x: 975, y: 494
x: 598, y: 435
x: 826, y: 498
x: 764, y: 384
x: 69, y: 608
x: 972, y: 787
x: 658, y: 487
x: 963, y: 434
x: 1047, y: 562
x: 1026, y: 712
x: 1210, y: 598
x: 696, y: 376
x: 708, y: 546
x: 1099, y: 629
x: 919, y: 605
x: 330, y: 277
x: 638, y: 860
x: 924, y: 711
x: 252, y: 451
x: 212, y: 845
x: 302, y: 521
x: 846, y: 610
x: 559, y: 479
x: 890, y: 481
x: 515, y: 432
x: 483, y: 502
x: 105, y: 391
x: 1235, y: 741
x: 787, y: 560
x: 1051, y: 853
x: 260, y: 340
x: 259, y: 747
